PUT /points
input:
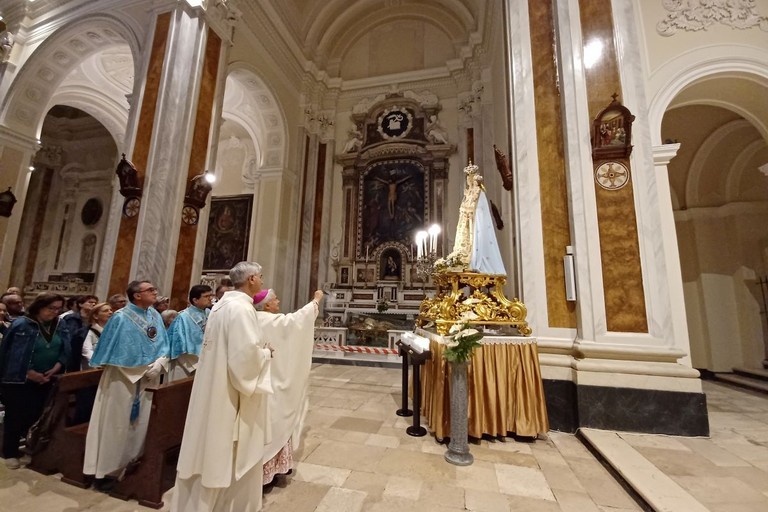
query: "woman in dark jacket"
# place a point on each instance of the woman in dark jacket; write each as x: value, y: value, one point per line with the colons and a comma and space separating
x: 35, y: 348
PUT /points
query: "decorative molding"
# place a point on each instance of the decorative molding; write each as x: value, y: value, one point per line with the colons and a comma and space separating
x: 695, y: 15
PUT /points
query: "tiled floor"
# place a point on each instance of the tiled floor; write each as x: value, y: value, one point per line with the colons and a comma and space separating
x: 356, y: 456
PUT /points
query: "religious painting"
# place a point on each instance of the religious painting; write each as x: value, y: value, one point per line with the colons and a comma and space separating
x: 392, y: 205
x: 229, y: 228
x: 612, y: 132
x: 344, y: 275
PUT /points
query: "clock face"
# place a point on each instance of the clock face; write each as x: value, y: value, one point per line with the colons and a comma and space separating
x: 189, y: 215
x: 131, y: 207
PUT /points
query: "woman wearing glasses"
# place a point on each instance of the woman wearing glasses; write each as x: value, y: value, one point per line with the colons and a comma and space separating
x: 34, y: 349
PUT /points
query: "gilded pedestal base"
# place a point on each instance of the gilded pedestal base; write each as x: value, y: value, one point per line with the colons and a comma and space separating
x: 471, y: 298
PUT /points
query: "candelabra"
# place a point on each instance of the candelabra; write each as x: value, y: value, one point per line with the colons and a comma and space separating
x: 426, y: 244
x: 424, y: 265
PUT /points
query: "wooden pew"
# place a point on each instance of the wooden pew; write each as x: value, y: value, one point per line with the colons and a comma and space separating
x: 155, y: 472
x: 65, y: 451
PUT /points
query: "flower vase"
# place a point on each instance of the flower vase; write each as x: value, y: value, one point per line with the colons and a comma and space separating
x: 458, y: 448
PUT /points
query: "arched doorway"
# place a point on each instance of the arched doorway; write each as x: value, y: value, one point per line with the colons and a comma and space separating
x: 65, y: 215
x: 80, y: 77
x: 720, y: 203
x: 250, y: 161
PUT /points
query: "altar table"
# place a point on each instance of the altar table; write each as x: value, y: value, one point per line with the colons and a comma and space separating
x: 506, y: 394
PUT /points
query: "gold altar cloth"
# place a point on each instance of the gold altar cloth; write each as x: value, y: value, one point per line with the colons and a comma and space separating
x: 504, y: 386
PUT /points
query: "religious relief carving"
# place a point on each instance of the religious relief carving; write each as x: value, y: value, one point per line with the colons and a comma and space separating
x: 6, y: 43
x: 469, y: 102
x: 50, y: 156
x: 695, y: 15
x: 436, y: 134
x: 355, y: 141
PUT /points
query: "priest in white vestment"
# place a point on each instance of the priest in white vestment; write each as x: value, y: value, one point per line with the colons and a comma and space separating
x: 133, y: 349
x: 227, y: 427
x: 292, y: 337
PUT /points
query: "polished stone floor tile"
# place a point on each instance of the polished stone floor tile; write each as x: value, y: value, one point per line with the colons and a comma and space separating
x: 356, y: 456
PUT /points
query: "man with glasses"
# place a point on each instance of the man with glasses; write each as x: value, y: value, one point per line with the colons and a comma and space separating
x: 133, y: 349
x: 186, y: 332
x: 14, y: 305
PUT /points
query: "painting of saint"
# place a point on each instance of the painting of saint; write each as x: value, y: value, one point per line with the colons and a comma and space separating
x: 229, y: 230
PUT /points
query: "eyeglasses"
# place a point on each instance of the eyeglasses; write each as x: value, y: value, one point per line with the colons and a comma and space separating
x: 150, y: 290
x: 53, y: 308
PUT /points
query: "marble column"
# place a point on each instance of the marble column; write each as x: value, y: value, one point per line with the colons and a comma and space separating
x: 625, y: 375
x: 170, y: 145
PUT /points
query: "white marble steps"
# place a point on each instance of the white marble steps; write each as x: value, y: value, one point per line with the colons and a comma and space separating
x: 657, y: 489
x: 753, y: 383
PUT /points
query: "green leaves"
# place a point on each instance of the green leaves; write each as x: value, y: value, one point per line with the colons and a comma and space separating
x: 459, y: 348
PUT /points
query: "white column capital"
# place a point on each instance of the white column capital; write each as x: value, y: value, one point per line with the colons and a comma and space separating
x: 18, y: 140
x: 663, y: 154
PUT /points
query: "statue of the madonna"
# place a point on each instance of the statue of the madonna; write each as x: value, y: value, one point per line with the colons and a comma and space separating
x: 475, y: 247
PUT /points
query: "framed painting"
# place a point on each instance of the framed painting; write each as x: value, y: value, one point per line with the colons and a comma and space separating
x: 229, y: 228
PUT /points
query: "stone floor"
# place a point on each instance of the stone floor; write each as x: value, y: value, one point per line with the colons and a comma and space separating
x: 356, y: 456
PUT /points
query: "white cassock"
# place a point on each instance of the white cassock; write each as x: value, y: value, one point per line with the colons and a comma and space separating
x: 113, y: 441
x: 220, y: 463
x: 292, y: 337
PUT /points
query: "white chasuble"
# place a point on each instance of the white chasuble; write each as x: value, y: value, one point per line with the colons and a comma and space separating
x: 292, y: 337
x: 227, y: 422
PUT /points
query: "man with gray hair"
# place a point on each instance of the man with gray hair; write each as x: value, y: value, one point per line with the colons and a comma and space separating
x: 227, y: 427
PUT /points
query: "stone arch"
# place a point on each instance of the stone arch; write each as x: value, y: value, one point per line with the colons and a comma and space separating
x: 251, y: 103
x: 31, y: 93
x: 676, y: 75
x: 693, y: 192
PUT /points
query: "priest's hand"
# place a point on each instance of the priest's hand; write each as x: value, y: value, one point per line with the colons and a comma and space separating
x: 271, y: 350
x: 153, y: 370
x: 318, y: 296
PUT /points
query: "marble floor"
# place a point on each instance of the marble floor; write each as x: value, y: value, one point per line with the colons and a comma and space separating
x: 357, y: 457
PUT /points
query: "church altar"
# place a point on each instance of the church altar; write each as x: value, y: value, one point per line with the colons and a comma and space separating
x: 505, y: 390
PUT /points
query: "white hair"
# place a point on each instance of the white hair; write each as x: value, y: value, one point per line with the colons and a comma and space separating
x: 242, y: 271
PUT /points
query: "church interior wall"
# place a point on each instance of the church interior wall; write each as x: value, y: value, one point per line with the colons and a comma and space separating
x: 660, y: 50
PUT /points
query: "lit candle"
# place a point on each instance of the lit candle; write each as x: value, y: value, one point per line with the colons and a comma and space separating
x: 434, y: 230
x: 366, y: 253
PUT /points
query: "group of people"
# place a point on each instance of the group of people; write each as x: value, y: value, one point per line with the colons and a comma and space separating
x: 250, y: 366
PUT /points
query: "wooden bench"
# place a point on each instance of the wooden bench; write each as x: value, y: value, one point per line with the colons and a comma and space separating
x: 65, y: 449
x: 155, y: 472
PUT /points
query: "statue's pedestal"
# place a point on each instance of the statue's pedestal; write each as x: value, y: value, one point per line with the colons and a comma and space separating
x: 472, y: 298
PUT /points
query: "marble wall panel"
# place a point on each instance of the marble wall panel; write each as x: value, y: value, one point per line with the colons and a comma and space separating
x: 185, y: 252
x: 619, y: 246
x: 552, y: 176
x: 121, y: 266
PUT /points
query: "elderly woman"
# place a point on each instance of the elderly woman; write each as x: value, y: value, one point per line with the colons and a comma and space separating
x: 35, y: 348
x: 100, y: 313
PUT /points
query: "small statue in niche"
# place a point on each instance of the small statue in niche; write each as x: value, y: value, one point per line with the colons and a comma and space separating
x: 355, y: 141
x: 436, y: 134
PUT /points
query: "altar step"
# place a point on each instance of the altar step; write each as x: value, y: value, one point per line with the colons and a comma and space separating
x: 658, y: 491
x: 750, y: 378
